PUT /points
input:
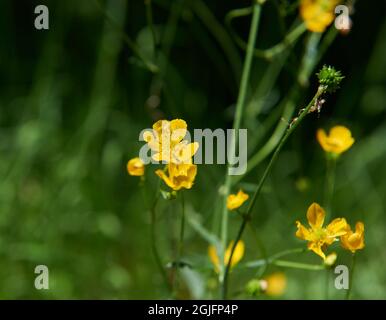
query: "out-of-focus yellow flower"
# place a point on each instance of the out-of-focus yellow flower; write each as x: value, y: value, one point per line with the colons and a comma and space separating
x: 237, y: 255
x: 318, y: 14
x: 275, y: 284
x: 318, y: 237
x: 235, y: 201
x: 166, y: 140
x: 179, y: 175
x: 136, y: 167
x: 354, y: 240
x: 337, y: 141
x: 330, y: 259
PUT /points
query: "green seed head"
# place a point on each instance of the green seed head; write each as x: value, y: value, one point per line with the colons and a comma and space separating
x: 329, y: 78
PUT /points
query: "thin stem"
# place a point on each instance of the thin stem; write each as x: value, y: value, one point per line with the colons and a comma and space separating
x: 351, y: 277
x: 149, y: 18
x: 130, y: 43
x: 236, y: 125
x: 330, y: 184
x: 154, y: 243
x: 327, y: 284
x: 219, y: 33
x: 310, y: 58
x: 248, y: 215
x: 298, y: 265
x: 269, y: 53
x: 180, y: 245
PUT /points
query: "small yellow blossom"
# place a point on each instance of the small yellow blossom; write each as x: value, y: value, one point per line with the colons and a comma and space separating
x: 354, y: 240
x: 179, y: 175
x: 274, y: 285
x: 318, y: 237
x: 235, y: 201
x: 166, y: 141
x: 136, y: 167
x: 237, y: 255
x: 338, y: 140
x: 318, y: 14
x: 330, y: 259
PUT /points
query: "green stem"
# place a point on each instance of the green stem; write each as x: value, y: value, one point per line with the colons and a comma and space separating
x: 219, y: 33
x: 130, y: 43
x: 351, y: 277
x: 255, y: 196
x: 236, y: 125
x: 180, y: 246
x: 310, y: 58
x: 330, y: 185
x: 327, y: 284
x: 298, y: 265
x: 149, y: 18
x: 154, y: 243
x: 268, y: 54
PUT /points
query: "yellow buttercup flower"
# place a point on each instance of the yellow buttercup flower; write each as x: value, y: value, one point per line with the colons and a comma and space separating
x: 136, y: 167
x: 275, y: 284
x: 237, y: 255
x: 354, y: 240
x: 337, y: 141
x: 179, y: 175
x: 166, y: 141
x: 318, y: 14
x: 235, y: 201
x: 318, y: 237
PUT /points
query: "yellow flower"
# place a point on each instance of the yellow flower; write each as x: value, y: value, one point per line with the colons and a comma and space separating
x: 338, y: 140
x: 136, y: 167
x: 354, y: 240
x: 235, y: 201
x: 179, y: 175
x: 318, y: 237
x: 318, y: 14
x: 237, y: 255
x: 274, y: 285
x: 166, y: 140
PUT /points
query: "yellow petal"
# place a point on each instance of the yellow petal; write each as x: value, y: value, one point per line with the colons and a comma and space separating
x: 165, y: 178
x: 276, y: 284
x: 337, y: 227
x: 341, y: 139
x: 315, y: 215
x: 359, y: 227
x: 178, y: 128
x: 302, y: 232
x: 235, y: 201
x: 321, y: 136
x: 212, y: 253
x: 317, y: 248
x: 237, y: 254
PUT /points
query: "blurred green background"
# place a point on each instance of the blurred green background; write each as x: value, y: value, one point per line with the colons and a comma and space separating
x: 74, y: 98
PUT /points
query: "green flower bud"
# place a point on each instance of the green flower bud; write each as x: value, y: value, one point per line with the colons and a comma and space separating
x: 253, y: 287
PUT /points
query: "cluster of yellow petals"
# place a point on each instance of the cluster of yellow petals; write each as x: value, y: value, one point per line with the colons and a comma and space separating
x: 166, y: 140
x: 319, y: 237
x: 235, y: 201
x: 354, y: 240
x: 318, y: 14
x: 136, y: 167
x: 238, y: 254
x: 337, y: 141
x: 179, y: 175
